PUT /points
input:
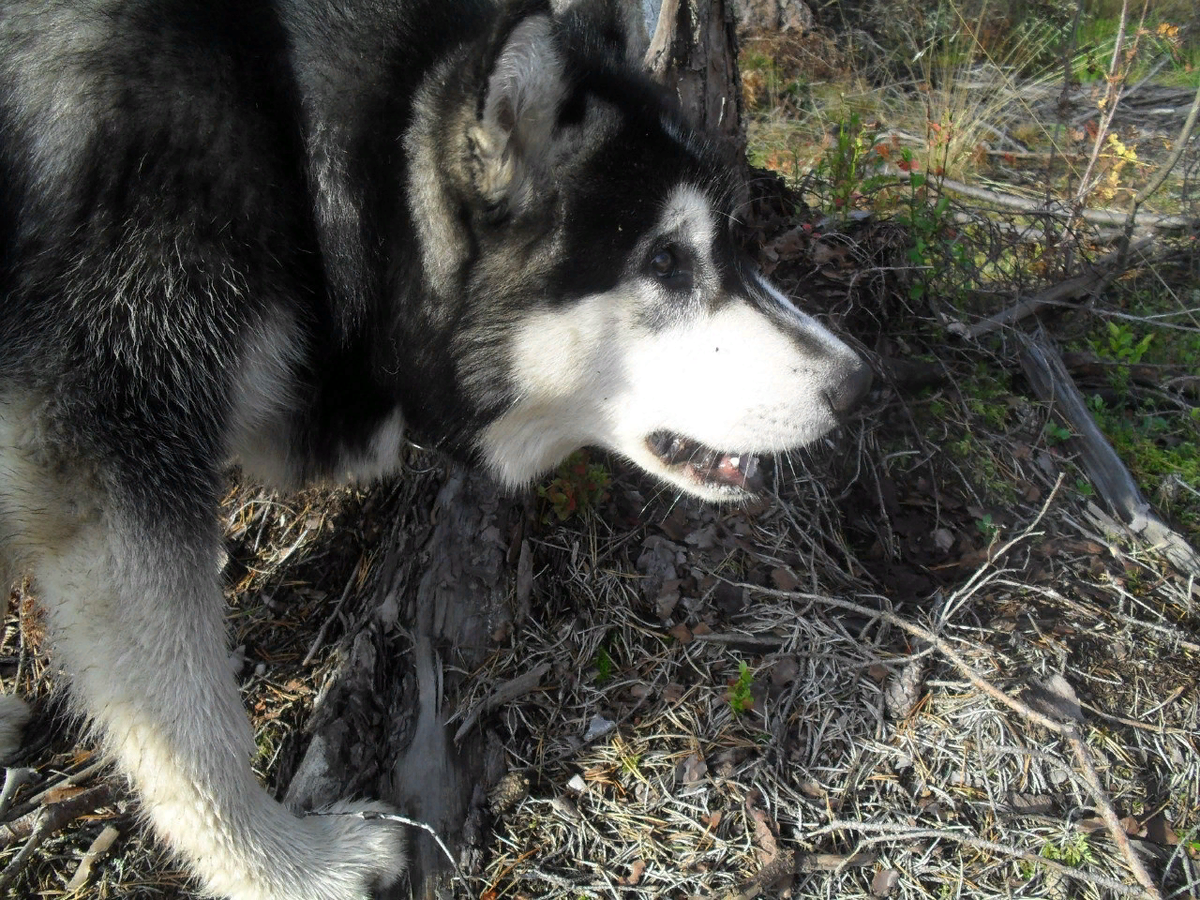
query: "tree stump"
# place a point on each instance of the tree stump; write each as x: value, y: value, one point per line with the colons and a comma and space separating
x: 441, y: 595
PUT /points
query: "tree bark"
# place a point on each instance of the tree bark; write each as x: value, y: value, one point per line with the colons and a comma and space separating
x: 379, y: 728
x: 693, y: 50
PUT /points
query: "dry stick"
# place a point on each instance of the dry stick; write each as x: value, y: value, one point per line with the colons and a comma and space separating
x: 36, y: 800
x: 1039, y: 207
x: 45, y: 822
x: 14, y: 778
x: 899, y: 831
x: 319, y: 640
x: 1082, y: 755
x: 1075, y: 286
x: 1115, y: 829
x: 1067, y: 730
x: 1165, y: 169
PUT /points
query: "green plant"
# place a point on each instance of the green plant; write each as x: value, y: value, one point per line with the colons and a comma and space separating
x: 987, y: 527
x: 579, y: 485
x: 1120, y: 343
x: 852, y: 166
x: 740, y: 698
x: 1071, y: 850
x: 603, y: 664
x: 1057, y: 434
x: 940, y: 260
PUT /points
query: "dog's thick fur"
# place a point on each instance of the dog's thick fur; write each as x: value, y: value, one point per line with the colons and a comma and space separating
x: 289, y: 232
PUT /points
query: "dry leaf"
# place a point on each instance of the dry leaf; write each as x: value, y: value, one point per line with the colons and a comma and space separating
x: 784, y: 579
x: 884, y: 882
x: 681, y: 633
x: 636, y: 868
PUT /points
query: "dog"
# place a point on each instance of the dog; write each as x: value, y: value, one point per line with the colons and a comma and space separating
x: 294, y: 234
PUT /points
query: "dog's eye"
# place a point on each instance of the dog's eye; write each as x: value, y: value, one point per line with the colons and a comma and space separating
x: 670, y: 266
x: 663, y: 263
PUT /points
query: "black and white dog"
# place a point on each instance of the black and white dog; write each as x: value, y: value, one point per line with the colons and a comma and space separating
x: 290, y: 232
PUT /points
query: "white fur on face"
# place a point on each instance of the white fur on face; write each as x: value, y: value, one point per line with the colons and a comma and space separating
x: 725, y: 374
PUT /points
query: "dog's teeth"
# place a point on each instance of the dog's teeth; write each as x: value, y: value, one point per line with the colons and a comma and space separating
x: 735, y: 461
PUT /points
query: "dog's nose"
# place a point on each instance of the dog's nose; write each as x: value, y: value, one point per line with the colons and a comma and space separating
x: 853, y: 388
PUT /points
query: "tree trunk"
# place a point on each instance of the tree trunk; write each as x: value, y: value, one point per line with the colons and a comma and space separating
x: 442, y: 593
x: 693, y: 49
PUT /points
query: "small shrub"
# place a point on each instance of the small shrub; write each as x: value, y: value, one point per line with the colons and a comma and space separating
x: 579, y: 485
x: 740, y: 698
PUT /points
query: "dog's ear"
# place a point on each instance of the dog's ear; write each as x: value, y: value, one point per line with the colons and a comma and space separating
x: 510, y: 142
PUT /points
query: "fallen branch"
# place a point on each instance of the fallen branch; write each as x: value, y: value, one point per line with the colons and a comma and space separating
x: 1039, y: 207
x: 1051, y: 381
x: 1075, y: 287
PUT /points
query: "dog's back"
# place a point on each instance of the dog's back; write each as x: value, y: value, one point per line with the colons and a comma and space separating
x: 160, y: 272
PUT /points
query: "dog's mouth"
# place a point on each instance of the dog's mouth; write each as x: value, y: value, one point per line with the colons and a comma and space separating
x: 703, y: 465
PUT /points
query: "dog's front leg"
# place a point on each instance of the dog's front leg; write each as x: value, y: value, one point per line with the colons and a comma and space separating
x: 138, y: 623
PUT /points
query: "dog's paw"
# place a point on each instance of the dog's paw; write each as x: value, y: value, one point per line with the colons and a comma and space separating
x: 372, y: 850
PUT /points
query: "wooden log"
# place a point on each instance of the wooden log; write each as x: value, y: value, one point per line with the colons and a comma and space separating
x: 1113, y: 482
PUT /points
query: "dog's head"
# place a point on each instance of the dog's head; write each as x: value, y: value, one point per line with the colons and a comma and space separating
x: 607, y: 302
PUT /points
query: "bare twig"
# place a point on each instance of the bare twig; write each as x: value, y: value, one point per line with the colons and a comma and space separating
x: 1074, y: 287
x: 888, y: 831
x: 14, y: 778
x: 1115, y: 829
x: 319, y: 640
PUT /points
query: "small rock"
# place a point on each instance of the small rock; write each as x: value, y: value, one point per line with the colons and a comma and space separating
x: 598, y: 728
